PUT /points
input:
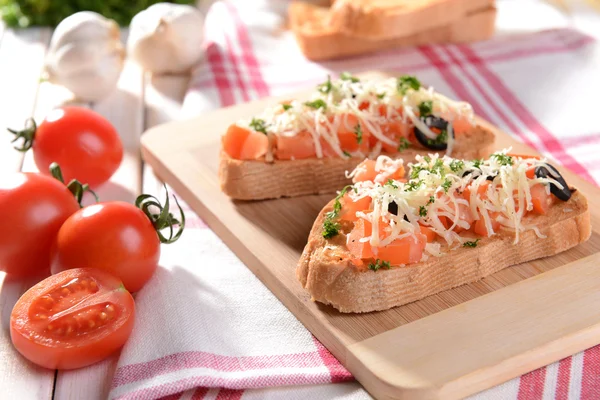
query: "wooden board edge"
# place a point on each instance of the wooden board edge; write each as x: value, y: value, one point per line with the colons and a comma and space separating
x: 550, y: 345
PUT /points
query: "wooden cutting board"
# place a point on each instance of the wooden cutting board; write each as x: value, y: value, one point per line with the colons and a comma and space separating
x: 446, y: 346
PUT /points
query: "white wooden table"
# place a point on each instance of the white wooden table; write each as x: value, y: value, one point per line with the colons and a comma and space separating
x: 139, y: 103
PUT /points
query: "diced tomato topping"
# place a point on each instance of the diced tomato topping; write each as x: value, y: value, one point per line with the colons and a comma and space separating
x: 480, y: 227
x: 295, y: 147
x: 244, y: 144
x: 357, y: 248
x: 350, y: 208
x: 481, y: 191
x: 403, y: 251
x: 429, y: 233
x: 540, y: 199
x: 366, y: 171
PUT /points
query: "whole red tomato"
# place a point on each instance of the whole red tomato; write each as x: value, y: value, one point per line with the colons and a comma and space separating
x: 83, y: 142
x: 32, y: 209
x: 116, y: 237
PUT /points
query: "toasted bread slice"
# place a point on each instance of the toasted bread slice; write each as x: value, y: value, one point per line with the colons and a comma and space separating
x: 319, y: 41
x: 257, y: 180
x: 385, y: 19
x: 327, y: 272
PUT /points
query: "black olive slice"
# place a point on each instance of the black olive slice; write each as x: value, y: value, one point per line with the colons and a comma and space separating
x: 432, y: 122
x: 393, y: 208
x: 489, y: 177
x: 548, y: 171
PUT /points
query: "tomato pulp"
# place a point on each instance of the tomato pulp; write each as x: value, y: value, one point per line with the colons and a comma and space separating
x: 81, y: 141
x: 116, y: 237
x: 72, y: 319
x: 32, y: 209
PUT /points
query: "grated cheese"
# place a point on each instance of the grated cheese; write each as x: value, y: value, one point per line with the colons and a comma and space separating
x: 434, y: 191
x: 375, y: 103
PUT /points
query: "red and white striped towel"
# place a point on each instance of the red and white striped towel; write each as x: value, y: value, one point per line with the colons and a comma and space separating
x: 204, y: 321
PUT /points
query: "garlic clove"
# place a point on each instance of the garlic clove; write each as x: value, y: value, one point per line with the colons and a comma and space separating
x: 86, y: 55
x: 167, y: 38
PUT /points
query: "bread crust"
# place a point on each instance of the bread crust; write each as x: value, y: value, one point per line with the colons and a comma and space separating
x: 385, y: 19
x: 327, y: 273
x: 257, y: 180
x: 318, y: 41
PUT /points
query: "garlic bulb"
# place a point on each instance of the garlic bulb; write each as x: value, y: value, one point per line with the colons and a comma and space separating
x: 167, y: 38
x: 86, y: 55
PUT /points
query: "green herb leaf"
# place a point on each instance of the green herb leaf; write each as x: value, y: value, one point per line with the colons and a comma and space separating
x: 378, y: 264
x: 330, y: 228
x: 403, y: 145
x: 391, y: 183
x: 406, y: 82
x: 503, y: 159
x: 425, y: 108
x: 423, y: 211
x: 380, y: 96
x: 359, y: 134
x: 258, y: 125
x: 347, y: 76
x: 325, y: 87
x: 347, y: 154
x: 441, y: 138
x: 477, y: 163
x: 286, y: 107
x: 319, y: 103
x: 446, y: 185
x: 457, y: 165
x: 431, y: 200
x: 471, y: 244
x: 412, y: 185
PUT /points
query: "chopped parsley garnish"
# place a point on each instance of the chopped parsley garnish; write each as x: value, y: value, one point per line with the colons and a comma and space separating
x: 319, y: 103
x: 325, y: 87
x: 471, y: 244
x: 347, y: 154
x: 441, y: 138
x: 446, y: 185
x: 347, y: 76
x: 457, y: 165
x: 379, y: 264
x: 380, y: 96
x: 286, y: 107
x: 423, y: 211
x: 425, y: 108
x: 403, y: 145
x: 405, y: 82
x: 359, y: 134
x: 438, y: 167
x: 414, y: 173
x: 411, y: 186
x: 503, y: 159
x: 477, y: 163
x: 258, y: 125
x: 431, y: 200
x: 427, y: 159
x: 391, y: 183
x: 330, y: 226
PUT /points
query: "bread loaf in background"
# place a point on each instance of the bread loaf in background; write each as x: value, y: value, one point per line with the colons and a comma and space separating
x: 385, y: 19
x: 319, y: 41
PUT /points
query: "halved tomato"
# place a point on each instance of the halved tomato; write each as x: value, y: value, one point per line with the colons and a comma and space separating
x: 72, y: 319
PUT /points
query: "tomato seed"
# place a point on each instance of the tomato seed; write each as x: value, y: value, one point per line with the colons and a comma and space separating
x: 50, y: 327
x: 65, y: 291
x: 110, y: 308
x: 41, y: 316
x: 103, y: 316
x: 91, y: 324
x: 93, y: 286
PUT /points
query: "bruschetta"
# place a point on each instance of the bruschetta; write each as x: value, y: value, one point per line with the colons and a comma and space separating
x: 385, y: 241
x: 303, y: 147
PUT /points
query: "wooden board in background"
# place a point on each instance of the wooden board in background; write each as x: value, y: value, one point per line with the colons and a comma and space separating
x: 269, y: 236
